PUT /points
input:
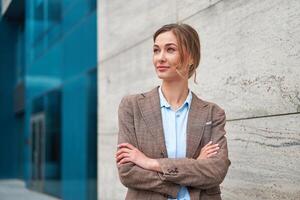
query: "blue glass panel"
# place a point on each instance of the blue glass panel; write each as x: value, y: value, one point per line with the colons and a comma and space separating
x: 39, y: 21
x: 54, y: 12
x: 54, y: 20
x: 74, y: 13
x: 53, y: 143
x: 92, y: 135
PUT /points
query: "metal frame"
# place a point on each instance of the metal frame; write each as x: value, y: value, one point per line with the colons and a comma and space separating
x: 38, y: 150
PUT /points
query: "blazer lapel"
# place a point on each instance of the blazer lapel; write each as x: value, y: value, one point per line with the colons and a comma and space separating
x: 195, y: 126
x: 149, y: 105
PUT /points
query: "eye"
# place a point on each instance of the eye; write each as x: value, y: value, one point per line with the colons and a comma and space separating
x: 170, y: 50
x: 155, y: 51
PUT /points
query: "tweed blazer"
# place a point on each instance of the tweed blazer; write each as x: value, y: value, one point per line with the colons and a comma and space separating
x: 140, y: 124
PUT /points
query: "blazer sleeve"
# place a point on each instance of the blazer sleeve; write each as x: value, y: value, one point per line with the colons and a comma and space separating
x: 131, y: 175
x: 202, y: 174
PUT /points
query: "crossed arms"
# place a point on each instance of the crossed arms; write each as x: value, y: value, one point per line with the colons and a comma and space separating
x: 166, y: 175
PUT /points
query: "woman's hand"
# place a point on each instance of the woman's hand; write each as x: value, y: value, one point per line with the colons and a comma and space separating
x: 128, y: 153
x: 208, y: 150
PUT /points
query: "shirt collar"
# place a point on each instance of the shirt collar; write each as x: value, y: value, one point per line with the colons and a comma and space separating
x: 164, y: 102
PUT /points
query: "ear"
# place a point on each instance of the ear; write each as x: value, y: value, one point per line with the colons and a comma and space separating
x: 191, y: 61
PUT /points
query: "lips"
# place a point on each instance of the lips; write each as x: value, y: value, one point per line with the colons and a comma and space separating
x: 162, y: 67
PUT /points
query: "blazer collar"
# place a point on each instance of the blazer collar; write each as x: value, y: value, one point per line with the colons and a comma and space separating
x: 149, y: 105
x: 195, y: 126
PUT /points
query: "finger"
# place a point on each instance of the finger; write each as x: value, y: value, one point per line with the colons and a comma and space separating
x: 212, y: 150
x: 123, y: 161
x: 211, y: 154
x: 212, y: 146
x: 209, y: 143
x: 122, y: 150
x: 127, y: 145
x: 121, y: 156
x: 122, y: 153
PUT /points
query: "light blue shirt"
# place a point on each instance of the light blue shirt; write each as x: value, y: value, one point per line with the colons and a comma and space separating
x: 174, y: 125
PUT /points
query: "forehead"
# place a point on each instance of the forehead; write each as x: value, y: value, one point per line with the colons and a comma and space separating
x: 166, y: 37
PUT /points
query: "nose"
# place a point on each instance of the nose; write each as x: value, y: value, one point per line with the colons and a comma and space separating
x: 162, y: 57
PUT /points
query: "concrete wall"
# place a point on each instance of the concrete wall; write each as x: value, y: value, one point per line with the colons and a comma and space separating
x: 4, y: 5
x: 250, y: 66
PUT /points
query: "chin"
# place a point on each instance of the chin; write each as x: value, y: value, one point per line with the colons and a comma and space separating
x: 162, y: 76
x: 165, y: 77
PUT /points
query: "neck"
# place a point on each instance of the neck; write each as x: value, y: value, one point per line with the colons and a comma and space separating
x: 175, y: 92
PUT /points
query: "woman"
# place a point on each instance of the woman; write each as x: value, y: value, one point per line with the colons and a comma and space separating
x: 171, y: 144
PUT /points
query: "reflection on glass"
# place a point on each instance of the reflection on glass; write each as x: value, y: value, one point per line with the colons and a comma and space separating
x: 92, y: 135
x: 46, y: 143
x: 53, y: 143
x: 54, y: 20
x: 38, y: 150
x: 38, y: 20
x: 54, y: 12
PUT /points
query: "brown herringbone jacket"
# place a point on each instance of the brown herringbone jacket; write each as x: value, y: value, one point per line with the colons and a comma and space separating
x: 140, y: 124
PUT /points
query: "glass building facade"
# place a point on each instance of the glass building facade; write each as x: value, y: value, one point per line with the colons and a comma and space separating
x: 48, y: 96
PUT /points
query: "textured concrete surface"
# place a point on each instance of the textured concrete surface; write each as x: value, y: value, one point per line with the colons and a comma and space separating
x: 128, y: 73
x: 188, y: 8
x: 128, y: 23
x: 15, y: 190
x: 109, y: 187
x: 250, y: 66
x: 251, y: 56
x: 265, y: 158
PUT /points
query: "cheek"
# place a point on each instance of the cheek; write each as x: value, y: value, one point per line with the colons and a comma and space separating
x: 175, y: 60
x: 154, y: 59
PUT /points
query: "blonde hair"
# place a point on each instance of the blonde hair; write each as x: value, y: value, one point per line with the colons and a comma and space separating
x: 188, y: 40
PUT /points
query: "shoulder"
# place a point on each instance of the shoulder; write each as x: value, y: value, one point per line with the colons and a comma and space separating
x: 216, y: 108
x: 129, y: 98
x: 128, y: 101
x: 132, y: 99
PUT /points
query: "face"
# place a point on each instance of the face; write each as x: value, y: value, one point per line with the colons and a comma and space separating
x: 166, y: 57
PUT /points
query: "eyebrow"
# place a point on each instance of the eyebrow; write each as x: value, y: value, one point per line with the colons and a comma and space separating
x: 168, y: 44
